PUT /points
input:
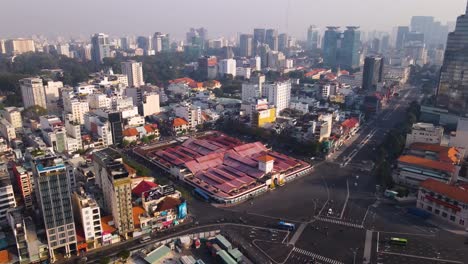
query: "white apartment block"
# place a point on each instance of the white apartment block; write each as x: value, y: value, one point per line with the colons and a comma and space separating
x: 134, y: 72
x: 190, y: 113
x: 32, y: 92
x: 7, y: 196
x: 300, y: 106
x: 13, y: 116
x: 227, y: 66
x: 150, y: 104
x: 251, y: 91
x: 99, y: 101
x: 7, y: 130
x: 244, y: 72
x: 87, y: 213
x: 78, y: 109
x: 279, y: 94
x: 425, y: 133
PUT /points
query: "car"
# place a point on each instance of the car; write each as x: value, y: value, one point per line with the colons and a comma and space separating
x: 330, y: 211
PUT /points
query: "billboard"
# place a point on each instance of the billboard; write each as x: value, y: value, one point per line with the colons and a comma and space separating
x: 182, y: 210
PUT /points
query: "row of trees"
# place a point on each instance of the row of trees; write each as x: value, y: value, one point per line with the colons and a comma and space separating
x: 393, y: 145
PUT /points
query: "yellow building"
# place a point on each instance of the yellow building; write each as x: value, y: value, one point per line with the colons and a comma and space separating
x: 262, y: 117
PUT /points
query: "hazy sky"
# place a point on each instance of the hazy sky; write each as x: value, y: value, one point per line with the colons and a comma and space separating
x: 221, y: 17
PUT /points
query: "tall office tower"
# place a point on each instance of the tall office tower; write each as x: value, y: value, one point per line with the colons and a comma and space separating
x: 331, y: 41
x: 32, y: 92
x: 145, y: 43
x: 283, y: 42
x: 375, y: 46
x: 63, y: 49
x: 372, y: 73
x: 19, y: 46
x: 427, y: 26
x: 52, y: 188
x: 271, y: 38
x: 258, y: 37
x: 227, y: 67
x: 350, y: 46
x: 197, y: 36
x: 134, y: 72
x: 263, y: 51
x: 124, y: 43
x: 312, y: 38
x: 165, y: 42
x: 245, y: 45
x: 2, y: 46
x: 161, y: 42
x: 101, y: 47
x: 384, y: 43
x: 402, y: 31
x: 452, y: 93
x: 414, y: 36
x: 228, y: 52
x: 114, y: 180
x: 279, y: 94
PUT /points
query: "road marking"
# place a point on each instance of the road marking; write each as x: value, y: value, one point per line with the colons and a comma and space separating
x: 368, y: 246
x: 421, y: 257
x: 316, y: 256
x: 347, y: 198
x: 340, y: 222
x: 409, y: 234
x: 297, y: 234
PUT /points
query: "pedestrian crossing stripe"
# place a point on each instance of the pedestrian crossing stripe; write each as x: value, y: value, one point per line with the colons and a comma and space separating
x: 338, y: 222
x: 316, y: 256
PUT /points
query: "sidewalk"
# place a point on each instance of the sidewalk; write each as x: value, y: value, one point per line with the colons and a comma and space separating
x: 452, y: 228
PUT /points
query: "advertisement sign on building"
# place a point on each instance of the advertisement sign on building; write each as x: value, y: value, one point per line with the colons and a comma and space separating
x: 182, y: 210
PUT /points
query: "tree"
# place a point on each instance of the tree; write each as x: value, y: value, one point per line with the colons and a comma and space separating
x: 34, y: 112
x: 104, y: 260
x: 125, y: 143
x: 145, y: 140
x: 124, y: 254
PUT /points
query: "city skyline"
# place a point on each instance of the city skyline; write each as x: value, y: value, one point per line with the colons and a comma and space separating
x: 147, y: 19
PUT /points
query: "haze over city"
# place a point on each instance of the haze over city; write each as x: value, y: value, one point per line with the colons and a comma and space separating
x: 222, y: 18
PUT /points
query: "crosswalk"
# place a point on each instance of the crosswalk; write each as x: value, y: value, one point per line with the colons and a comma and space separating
x: 339, y: 222
x: 317, y: 257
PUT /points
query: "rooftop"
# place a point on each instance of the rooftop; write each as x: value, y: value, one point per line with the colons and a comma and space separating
x: 442, y: 153
x: 458, y: 193
x: 427, y: 163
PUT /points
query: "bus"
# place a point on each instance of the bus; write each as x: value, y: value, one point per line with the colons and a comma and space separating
x: 286, y: 226
x: 201, y: 195
x: 398, y: 241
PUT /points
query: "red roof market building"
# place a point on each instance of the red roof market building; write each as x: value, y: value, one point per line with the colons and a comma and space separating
x: 225, y: 168
x: 445, y: 201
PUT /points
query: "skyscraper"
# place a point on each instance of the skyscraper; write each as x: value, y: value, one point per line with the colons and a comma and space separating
x: 32, y: 92
x: 372, y: 73
x: 114, y: 180
x: 245, y: 45
x: 350, y: 46
x: 312, y: 38
x: 452, y: 92
x: 330, y: 46
x: 283, y: 42
x: 54, y: 198
x: 258, y: 37
x: 401, y: 36
x: 271, y: 38
x: 134, y: 72
x: 101, y: 47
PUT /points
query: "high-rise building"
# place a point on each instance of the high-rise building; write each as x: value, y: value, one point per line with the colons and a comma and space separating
x: 279, y: 94
x: 227, y: 67
x: 114, y: 180
x: 7, y: 198
x: 283, y: 42
x: 312, y: 38
x: 161, y: 42
x: 101, y: 47
x: 331, y: 41
x: 372, y: 73
x: 124, y: 43
x: 245, y: 45
x: 208, y: 67
x: 13, y: 116
x: 402, y: 31
x: 2, y: 46
x: 88, y: 216
x: 384, y: 44
x: 32, y: 92
x: 271, y: 38
x: 250, y: 91
x: 25, y: 184
x: 19, y: 46
x: 258, y: 37
x: 452, y: 92
x: 228, y: 52
x: 349, y: 52
x: 134, y: 72
x: 52, y: 189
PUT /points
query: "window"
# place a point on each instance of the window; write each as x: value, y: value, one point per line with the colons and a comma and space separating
x: 452, y: 218
x: 437, y: 211
x: 429, y: 208
x: 461, y: 222
x: 444, y: 214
